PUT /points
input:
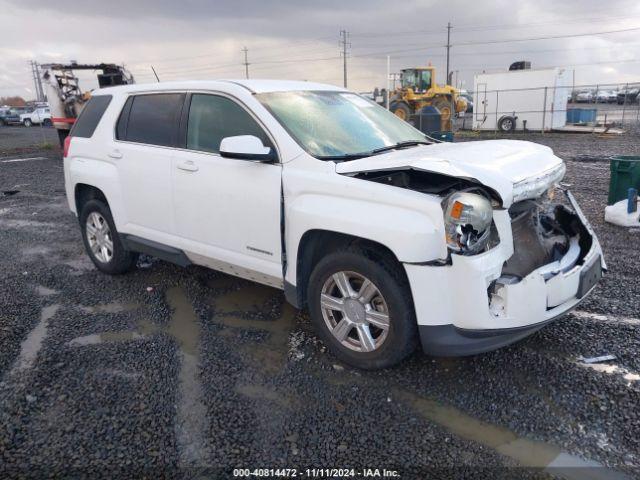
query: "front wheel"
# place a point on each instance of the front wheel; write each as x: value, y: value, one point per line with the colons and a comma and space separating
x: 401, y: 110
x: 361, y: 307
x: 101, y: 240
x: 27, y: 122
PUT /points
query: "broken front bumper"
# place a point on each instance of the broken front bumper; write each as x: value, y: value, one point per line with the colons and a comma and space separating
x: 468, y: 307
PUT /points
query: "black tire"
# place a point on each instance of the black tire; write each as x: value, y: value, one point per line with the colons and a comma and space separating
x: 388, y: 276
x: 443, y: 104
x: 507, y: 124
x: 122, y: 260
x: 401, y: 110
x: 47, y: 122
x: 27, y: 123
x: 2, y: 122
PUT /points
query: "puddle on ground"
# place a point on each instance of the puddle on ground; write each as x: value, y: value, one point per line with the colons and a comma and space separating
x: 222, y: 281
x: 612, y: 370
x: 248, y: 299
x: 114, y: 307
x: 26, y: 224
x: 36, y: 251
x: 105, y: 337
x: 183, y: 325
x: 33, y: 343
x: 604, y: 318
x: 270, y: 355
x: 261, y: 392
x: 114, y: 372
x: 529, y: 453
x: 45, y: 292
x: 190, y: 423
x: 80, y: 265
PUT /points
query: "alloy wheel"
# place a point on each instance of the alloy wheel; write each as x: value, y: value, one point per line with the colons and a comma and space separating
x: 99, y: 237
x: 355, y: 311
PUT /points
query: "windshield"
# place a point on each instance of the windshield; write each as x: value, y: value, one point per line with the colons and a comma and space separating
x: 337, y: 124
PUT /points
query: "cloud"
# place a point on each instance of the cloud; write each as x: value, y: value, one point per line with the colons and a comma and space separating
x: 299, y: 39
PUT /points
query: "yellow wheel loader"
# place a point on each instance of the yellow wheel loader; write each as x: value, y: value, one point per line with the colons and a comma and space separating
x: 418, y: 89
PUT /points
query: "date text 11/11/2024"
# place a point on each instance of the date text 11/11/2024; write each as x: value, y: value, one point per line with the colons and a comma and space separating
x: 315, y: 473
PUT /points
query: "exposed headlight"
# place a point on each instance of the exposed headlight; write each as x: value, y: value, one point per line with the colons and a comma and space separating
x: 533, y: 187
x: 467, y: 222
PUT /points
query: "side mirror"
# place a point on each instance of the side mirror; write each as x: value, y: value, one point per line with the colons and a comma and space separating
x: 246, y: 147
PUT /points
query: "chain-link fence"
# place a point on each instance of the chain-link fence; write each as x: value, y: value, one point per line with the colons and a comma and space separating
x: 597, y: 108
x: 594, y: 108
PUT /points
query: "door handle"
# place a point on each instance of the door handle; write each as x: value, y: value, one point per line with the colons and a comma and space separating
x: 115, y: 154
x: 188, y: 166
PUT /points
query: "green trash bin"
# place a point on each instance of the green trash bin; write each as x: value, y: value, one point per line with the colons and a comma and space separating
x: 625, y: 174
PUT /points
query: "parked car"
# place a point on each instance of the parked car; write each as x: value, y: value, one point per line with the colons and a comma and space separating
x: 606, y: 96
x: 584, y: 97
x: 41, y: 115
x: 9, y: 116
x: 388, y: 239
x: 627, y: 96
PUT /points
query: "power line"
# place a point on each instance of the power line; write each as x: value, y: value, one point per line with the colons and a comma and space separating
x: 345, y: 44
x: 548, y: 37
x: 207, y: 55
x: 477, y: 27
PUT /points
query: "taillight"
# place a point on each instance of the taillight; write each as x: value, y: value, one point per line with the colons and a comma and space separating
x: 65, y: 146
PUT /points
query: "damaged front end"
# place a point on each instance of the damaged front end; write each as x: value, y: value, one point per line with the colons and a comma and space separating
x: 556, y: 256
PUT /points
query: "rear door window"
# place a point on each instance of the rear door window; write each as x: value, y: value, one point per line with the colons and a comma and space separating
x: 213, y: 117
x: 153, y: 119
x: 90, y: 116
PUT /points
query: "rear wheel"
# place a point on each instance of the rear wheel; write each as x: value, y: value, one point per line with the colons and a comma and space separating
x: 101, y: 240
x: 361, y: 307
x: 27, y: 122
x: 47, y: 122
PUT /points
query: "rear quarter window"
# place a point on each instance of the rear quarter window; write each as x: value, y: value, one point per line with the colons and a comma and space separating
x: 90, y: 116
x: 153, y: 119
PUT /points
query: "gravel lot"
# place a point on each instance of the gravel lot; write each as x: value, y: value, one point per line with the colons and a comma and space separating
x: 171, y: 372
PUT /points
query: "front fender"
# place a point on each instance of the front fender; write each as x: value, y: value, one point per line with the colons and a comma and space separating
x: 412, y: 234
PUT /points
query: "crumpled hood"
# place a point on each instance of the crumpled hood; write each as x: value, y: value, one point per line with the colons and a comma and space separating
x: 498, y: 164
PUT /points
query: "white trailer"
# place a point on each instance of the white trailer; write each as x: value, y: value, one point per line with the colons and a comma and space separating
x: 506, y: 100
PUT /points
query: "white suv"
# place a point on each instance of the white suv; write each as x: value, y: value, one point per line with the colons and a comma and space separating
x: 386, y: 237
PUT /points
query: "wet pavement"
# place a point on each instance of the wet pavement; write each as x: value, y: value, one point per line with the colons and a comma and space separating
x: 172, y: 372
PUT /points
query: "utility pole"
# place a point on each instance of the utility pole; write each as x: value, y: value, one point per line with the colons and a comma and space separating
x: 386, y: 102
x: 448, y: 48
x: 246, y: 63
x: 37, y: 82
x: 344, y: 35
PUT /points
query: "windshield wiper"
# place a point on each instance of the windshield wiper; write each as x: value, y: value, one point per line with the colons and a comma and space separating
x: 344, y: 157
x: 406, y: 143
x: 355, y: 156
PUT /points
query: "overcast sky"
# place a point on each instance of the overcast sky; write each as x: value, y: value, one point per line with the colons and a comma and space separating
x: 298, y: 39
